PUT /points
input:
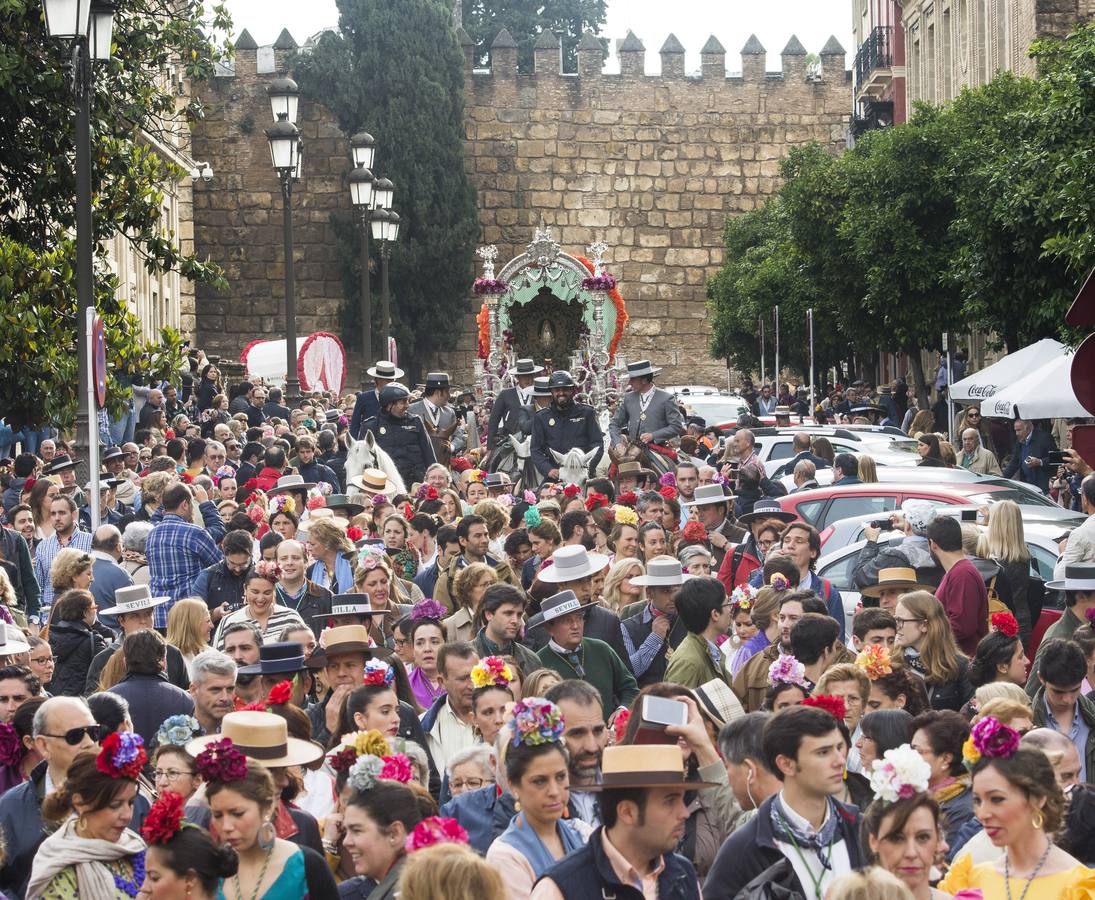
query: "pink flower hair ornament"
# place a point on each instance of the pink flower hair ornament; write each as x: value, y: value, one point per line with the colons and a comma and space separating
x: 994, y: 739
x: 435, y: 830
x: 427, y: 609
x: 787, y: 670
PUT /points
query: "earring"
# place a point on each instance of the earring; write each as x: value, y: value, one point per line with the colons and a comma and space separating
x: 1038, y: 820
x: 517, y: 805
x: 267, y: 834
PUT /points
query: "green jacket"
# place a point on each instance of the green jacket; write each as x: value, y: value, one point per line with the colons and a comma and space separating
x: 602, y: 668
x: 691, y: 663
x: 1087, y: 713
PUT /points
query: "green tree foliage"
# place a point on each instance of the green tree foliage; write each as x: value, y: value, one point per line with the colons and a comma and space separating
x: 525, y: 19
x: 980, y: 214
x: 132, y: 101
x: 396, y: 70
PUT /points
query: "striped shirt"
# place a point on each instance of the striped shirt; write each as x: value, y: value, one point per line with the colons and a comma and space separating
x: 279, y: 618
x: 44, y: 556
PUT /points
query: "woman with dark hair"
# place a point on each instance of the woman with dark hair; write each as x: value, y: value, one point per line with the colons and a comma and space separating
x: 242, y: 800
x: 93, y: 853
x: 74, y: 639
x: 426, y: 635
x: 938, y: 736
x: 182, y: 862
x: 900, y: 829
x: 208, y: 386
x: 899, y: 689
x: 535, y: 761
x: 1021, y: 806
x: 372, y: 707
x: 930, y: 453
x: 882, y: 730
x: 379, y: 816
x: 1000, y: 657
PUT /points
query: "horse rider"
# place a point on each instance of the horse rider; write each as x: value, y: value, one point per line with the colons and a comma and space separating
x: 402, y: 436
x: 511, y: 412
x: 368, y: 402
x: 647, y: 415
x: 563, y: 426
x: 441, y: 421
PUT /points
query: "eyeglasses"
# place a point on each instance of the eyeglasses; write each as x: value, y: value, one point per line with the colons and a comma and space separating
x: 75, y: 736
x: 170, y: 774
x: 43, y: 660
x: 472, y: 784
x: 901, y: 623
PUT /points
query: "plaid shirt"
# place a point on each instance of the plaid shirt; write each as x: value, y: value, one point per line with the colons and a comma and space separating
x: 44, y: 556
x: 177, y: 551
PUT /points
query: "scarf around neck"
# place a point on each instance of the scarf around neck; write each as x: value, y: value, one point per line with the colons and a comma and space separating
x: 821, y: 842
x: 88, y: 856
x: 523, y: 837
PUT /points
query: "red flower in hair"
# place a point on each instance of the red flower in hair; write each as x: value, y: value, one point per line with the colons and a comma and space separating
x: 122, y: 755
x: 240, y: 706
x: 316, y: 501
x: 435, y: 830
x: 669, y: 492
x: 344, y: 760
x: 596, y: 501
x: 169, y: 433
x: 834, y: 706
x: 619, y: 724
x: 354, y: 533
x: 397, y: 768
x: 628, y: 498
x: 220, y: 761
x: 459, y: 464
x: 186, y: 478
x: 571, y: 490
x: 164, y: 819
x: 1005, y: 623
x: 408, y: 511
x: 694, y: 532
x: 431, y: 493
x: 280, y: 693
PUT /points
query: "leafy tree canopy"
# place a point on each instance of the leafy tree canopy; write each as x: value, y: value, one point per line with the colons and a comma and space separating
x: 133, y: 101
x: 525, y: 19
x: 395, y: 69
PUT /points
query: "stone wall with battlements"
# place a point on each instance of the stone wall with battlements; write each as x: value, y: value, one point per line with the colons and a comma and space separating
x: 651, y: 164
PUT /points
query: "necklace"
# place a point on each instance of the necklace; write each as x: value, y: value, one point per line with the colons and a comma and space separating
x: 128, y: 887
x: 258, y: 884
x: 1033, y: 875
x: 816, y: 882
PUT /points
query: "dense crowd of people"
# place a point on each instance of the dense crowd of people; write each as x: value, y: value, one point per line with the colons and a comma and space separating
x: 361, y: 647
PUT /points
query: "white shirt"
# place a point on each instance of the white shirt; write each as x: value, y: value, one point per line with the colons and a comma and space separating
x: 449, y: 735
x: 806, y: 864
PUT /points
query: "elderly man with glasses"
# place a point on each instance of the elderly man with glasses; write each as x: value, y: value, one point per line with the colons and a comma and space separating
x: 975, y: 457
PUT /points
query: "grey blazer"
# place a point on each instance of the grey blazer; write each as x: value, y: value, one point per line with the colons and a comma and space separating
x: 445, y: 420
x: 663, y: 418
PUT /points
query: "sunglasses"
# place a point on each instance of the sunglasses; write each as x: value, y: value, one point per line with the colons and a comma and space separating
x: 75, y: 736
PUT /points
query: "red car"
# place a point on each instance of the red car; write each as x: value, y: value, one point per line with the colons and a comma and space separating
x: 823, y: 506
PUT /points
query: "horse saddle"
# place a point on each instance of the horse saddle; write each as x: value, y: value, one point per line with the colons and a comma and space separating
x: 441, y: 437
x: 633, y: 452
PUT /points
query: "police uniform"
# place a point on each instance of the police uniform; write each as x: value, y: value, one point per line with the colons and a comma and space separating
x: 562, y: 431
x: 405, y: 441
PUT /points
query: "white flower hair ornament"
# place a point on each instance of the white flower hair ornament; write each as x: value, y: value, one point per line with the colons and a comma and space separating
x: 900, y: 774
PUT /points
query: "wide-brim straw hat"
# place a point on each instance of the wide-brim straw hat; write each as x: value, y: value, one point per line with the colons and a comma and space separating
x: 262, y: 737
x: 14, y: 641
x: 328, y: 515
x: 291, y: 483
x: 1078, y: 577
x: 660, y: 572
x: 385, y: 369
x: 350, y: 605
x: 898, y: 578
x: 133, y: 598
x: 341, y: 639
x: 627, y: 766
x: 718, y: 702
x: 572, y: 563
x: 371, y: 481
x: 708, y: 494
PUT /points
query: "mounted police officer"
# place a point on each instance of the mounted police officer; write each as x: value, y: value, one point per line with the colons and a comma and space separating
x: 368, y: 402
x: 441, y: 421
x: 646, y: 414
x: 511, y: 412
x: 402, y: 436
x: 563, y: 426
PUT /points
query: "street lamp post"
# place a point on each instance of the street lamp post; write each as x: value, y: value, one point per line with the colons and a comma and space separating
x: 284, y: 140
x: 385, y: 226
x: 285, y: 154
x: 88, y: 27
x: 361, y: 193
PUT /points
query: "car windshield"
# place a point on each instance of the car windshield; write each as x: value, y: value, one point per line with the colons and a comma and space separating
x: 1023, y: 498
x: 714, y: 409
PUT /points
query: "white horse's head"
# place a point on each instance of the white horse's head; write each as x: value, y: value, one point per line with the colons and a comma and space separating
x: 368, y: 454
x: 522, y: 449
x: 574, y: 464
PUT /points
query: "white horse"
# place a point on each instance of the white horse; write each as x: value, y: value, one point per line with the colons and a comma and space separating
x: 574, y: 464
x: 368, y: 454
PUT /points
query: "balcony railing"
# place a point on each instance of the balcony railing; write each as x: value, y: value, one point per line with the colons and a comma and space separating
x: 874, y: 56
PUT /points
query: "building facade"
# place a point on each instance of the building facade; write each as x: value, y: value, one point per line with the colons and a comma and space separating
x: 955, y: 44
x: 879, y: 69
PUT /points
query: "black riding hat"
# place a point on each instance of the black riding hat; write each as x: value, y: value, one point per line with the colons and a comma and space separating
x: 393, y: 393
x: 561, y: 378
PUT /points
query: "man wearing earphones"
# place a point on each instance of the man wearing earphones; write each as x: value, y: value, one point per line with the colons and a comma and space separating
x: 742, y: 749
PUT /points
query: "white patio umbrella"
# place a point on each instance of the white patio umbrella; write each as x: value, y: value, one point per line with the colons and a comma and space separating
x: 992, y: 379
x: 1045, y: 393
